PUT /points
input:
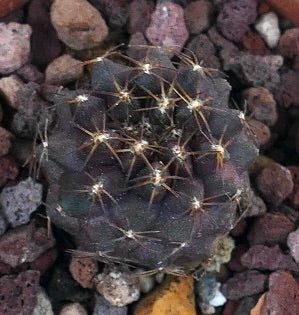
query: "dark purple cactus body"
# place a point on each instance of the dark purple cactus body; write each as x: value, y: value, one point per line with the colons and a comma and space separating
x: 148, y: 167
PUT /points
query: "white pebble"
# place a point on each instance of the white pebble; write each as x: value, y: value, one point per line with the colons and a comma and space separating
x: 268, y: 27
x: 219, y: 299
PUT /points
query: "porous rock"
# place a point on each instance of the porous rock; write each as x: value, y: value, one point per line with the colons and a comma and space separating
x: 117, y: 286
x: 24, y: 244
x: 167, y: 26
x: 15, y: 46
x: 18, y: 202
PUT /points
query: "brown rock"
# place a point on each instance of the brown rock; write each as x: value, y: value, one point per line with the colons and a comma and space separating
x: 15, y: 46
x: 289, y: 9
x: 282, y: 297
x: 140, y: 12
x: 63, y: 70
x: 9, y: 87
x: 261, y: 104
x: 289, y: 43
x: 8, y: 6
x: 167, y: 26
x: 294, y: 196
x: 29, y: 72
x: 175, y: 296
x: 244, y: 284
x: 270, y: 229
x: 275, y: 183
x: 260, y: 130
x: 5, y: 141
x: 79, y: 31
x: 83, y: 270
x: 197, y: 16
x: 8, y: 170
x: 24, y: 244
x: 268, y: 258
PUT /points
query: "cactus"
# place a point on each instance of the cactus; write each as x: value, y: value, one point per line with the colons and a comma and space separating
x: 149, y: 165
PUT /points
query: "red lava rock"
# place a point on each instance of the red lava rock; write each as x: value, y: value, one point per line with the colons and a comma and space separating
x: 24, y: 244
x: 275, y: 183
x: 263, y: 8
x: 260, y: 130
x: 204, y: 51
x: 270, y: 229
x: 234, y: 18
x: 287, y: 91
x: 5, y: 269
x: 261, y: 104
x: 18, y: 294
x: 197, y: 16
x: 63, y: 70
x: 283, y: 295
x: 8, y: 6
x: 5, y: 141
x: 78, y: 31
x: 29, y: 73
x: 289, y: 43
x: 134, y: 51
x: 15, y: 46
x: 268, y: 258
x: 253, y: 43
x: 219, y: 41
x: 45, y: 45
x: 140, y: 12
x: 235, y: 263
x: 8, y: 170
x: 244, y: 284
x: 83, y: 270
x: 44, y: 261
x: 294, y: 196
x: 289, y: 9
x: 253, y: 70
x: 167, y: 26
x: 293, y: 244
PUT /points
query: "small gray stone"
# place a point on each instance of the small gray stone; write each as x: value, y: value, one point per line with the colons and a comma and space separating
x: 14, y: 47
x: 293, y: 244
x: 103, y: 307
x: 43, y: 304
x: 117, y: 286
x: 268, y: 27
x: 73, y: 309
x: 18, y: 202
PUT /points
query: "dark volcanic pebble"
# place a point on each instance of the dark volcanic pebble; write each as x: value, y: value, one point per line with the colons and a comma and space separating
x: 270, y: 229
x: 275, y: 183
x: 235, y: 17
x: 18, y: 294
x: 244, y: 284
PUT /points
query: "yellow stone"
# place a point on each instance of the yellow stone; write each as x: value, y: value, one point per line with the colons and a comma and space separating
x: 175, y: 296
